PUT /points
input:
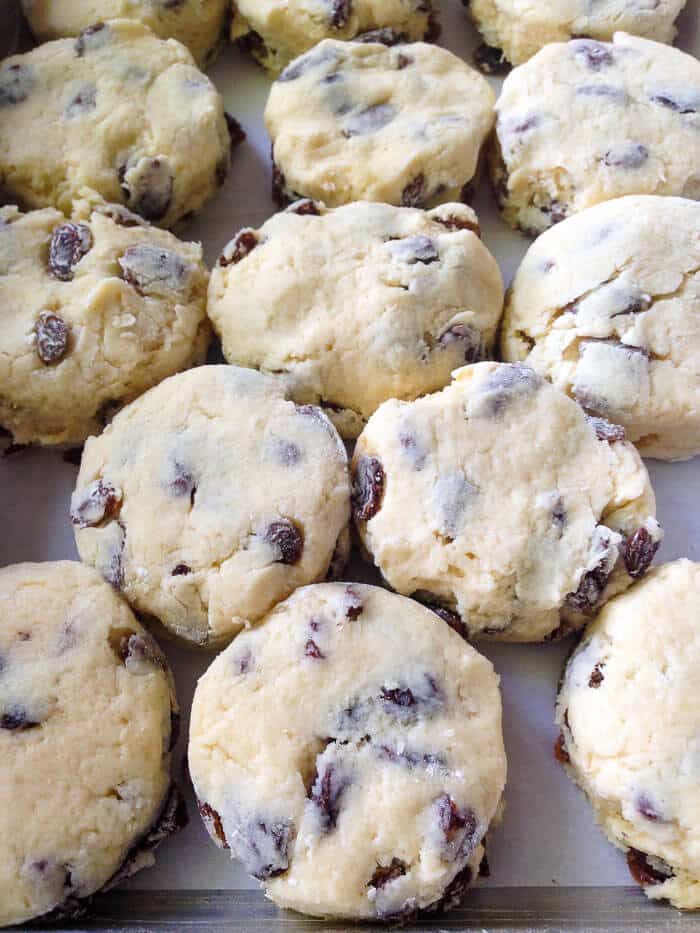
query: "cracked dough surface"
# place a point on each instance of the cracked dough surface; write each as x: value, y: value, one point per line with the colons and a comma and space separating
x: 358, y: 304
x: 349, y: 752
x: 499, y: 501
x: 276, y: 31
x: 354, y: 121
x: 607, y: 306
x: 198, y: 24
x: 210, y: 498
x: 632, y: 726
x: 521, y: 27
x: 116, y: 111
x: 79, y: 782
x: 132, y: 299
x: 584, y: 122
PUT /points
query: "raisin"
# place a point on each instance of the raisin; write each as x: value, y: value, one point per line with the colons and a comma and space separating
x: 597, y: 676
x: 647, y: 809
x: 415, y: 249
x: 69, y: 243
x: 456, y: 889
x: 368, y: 121
x: 631, y: 155
x: 245, y: 663
x: 305, y: 207
x: 51, y: 337
x: 150, y: 188
x: 16, y: 83
x: 353, y: 604
x: 100, y: 502
x: 638, y: 552
x: 677, y: 102
x: 113, y: 568
x: 326, y: 793
x: 643, y: 872
x: 589, y: 591
x: 182, y: 482
x: 459, y: 827
x: 410, y: 758
x: 17, y: 719
x: 279, y: 188
x: 287, y: 539
x: 236, y: 132
x: 152, y: 269
x: 560, y: 752
x: 240, y: 246
x: 82, y: 102
x: 181, y: 570
x: 452, y: 618
x: 594, y: 55
x: 135, y: 650
x: 505, y: 385
x: 263, y: 847
x: 605, y: 430
x: 466, y: 336
x: 385, y: 874
x: 385, y: 36
x: 367, y: 488
x: 399, y: 696
x: 403, y: 61
x: 455, y: 222
x: 340, y: 13
x: 92, y: 38
x: 559, y: 515
x: 212, y: 821
x: 311, y: 650
x: 491, y: 60
x: 414, y: 194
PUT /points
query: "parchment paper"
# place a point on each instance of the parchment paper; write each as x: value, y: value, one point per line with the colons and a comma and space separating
x: 548, y: 836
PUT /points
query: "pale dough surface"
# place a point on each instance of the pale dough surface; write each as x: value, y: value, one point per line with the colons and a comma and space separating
x: 359, y: 304
x: 349, y: 752
x: 356, y: 121
x: 632, y: 726
x: 607, y: 306
x: 128, y: 299
x: 276, y: 31
x: 210, y: 498
x: 521, y: 27
x: 497, y: 500
x: 198, y: 24
x: 585, y: 121
x: 85, y: 735
x: 116, y: 111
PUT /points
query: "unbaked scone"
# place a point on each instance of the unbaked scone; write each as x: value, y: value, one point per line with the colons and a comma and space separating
x: 585, y: 121
x: 198, y: 24
x: 353, y: 121
x: 358, y: 304
x: 210, y: 498
x: 349, y: 752
x: 276, y: 31
x: 500, y: 504
x: 519, y: 30
x: 607, y: 306
x: 95, y: 309
x: 88, y: 718
x: 115, y: 111
x: 630, y: 728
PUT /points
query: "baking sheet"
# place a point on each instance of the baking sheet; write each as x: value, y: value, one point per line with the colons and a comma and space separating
x: 548, y: 837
